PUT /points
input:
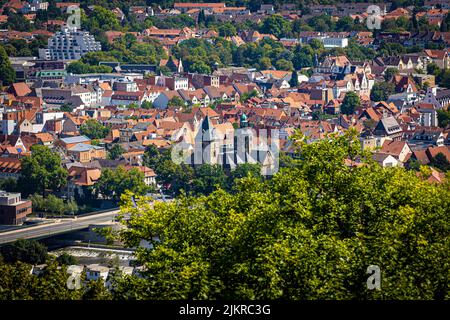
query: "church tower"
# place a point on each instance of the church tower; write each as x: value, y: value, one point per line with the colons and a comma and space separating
x: 206, y: 144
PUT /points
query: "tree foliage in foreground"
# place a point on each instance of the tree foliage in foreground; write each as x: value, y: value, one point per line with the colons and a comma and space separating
x: 18, y: 283
x: 310, y: 232
x: 27, y: 251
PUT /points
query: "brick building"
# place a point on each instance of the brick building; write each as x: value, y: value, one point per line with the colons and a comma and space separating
x: 13, y: 210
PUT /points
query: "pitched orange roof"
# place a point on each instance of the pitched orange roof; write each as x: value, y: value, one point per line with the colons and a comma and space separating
x: 20, y: 89
x: 393, y: 148
x: 44, y: 136
x: 10, y: 165
x: 84, y: 176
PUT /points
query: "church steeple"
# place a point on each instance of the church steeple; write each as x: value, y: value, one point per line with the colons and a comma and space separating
x: 243, y: 121
x: 208, y: 130
x: 316, y: 61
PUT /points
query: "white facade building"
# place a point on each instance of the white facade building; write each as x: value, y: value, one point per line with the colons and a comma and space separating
x: 69, y: 44
x: 34, y: 6
x: 334, y: 42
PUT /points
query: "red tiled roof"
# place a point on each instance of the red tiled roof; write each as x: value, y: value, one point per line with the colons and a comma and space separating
x: 198, y: 5
x: 10, y: 165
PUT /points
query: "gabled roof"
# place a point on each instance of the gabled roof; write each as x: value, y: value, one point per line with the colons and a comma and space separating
x: 421, y: 156
x: 434, y: 151
x: 19, y: 89
x: 393, y: 148
x: 84, y: 176
x: 44, y: 136
x: 10, y: 165
x: 436, y: 54
x: 390, y: 125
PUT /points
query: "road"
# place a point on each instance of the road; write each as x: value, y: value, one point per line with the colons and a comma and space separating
x: 60, y: 226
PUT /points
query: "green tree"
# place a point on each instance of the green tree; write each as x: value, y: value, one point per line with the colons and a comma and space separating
x: 66, y: 259
x: 276, y: 25
x: 96, y: 290
x: 284, y: 64
x: 113, y: 183
x: 66, y: 108
x: 440, y: 161
x: 265, y: 63
x: 18, y: 22
x: 322, y: 23
x: 413, y: 164
x: 115, y: 152
x: 7, y: 73
x: 381, y: 91
x: 176, y: 102
x: 445, y: 25
x: 174, y: 178
x: 303, y: 57
x: 443, y: 118
x: 244, y: 170
x: 248, y: 95
x: 201, y: 19
x: 444, y: 78
x: 53, y: 204
x: 42, y: 170
x: 93, y: 129
x: 294, y: 79
x: 389, y: 74
x: 173, y: 22
x: 309, y: 232
x: 9, y: 185
x: 227, y: 30
x: 18, y: 283
x: 197, y: 65
x: 208, y: 178
x: 79, y: 67
x: 152, y: 157
x: 351, y: 103
x: 147, y: 105
x: 316, y: 45
x: 433, y: 69
x: 94, y: 58
x: 27, y: 251
x: 345, y: 24
x: 101, y: 19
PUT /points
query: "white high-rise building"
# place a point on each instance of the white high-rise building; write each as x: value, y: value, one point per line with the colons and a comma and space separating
x: 69, y: 44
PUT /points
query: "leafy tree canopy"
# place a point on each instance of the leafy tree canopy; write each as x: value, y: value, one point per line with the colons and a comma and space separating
x: 94, y: 129
x: 7, y: 73
x: 42, y: 170
x: 114, y: 182
x: 381, y: 91
x: 350, y: 103
x: 28, y: 251
x: 310, y: 232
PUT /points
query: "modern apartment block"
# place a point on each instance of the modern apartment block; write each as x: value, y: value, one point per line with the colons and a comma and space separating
x: 69, y: 44
x: 13, y: 210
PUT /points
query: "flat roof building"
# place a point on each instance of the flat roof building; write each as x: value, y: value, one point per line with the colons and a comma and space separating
x: 13, y: 210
